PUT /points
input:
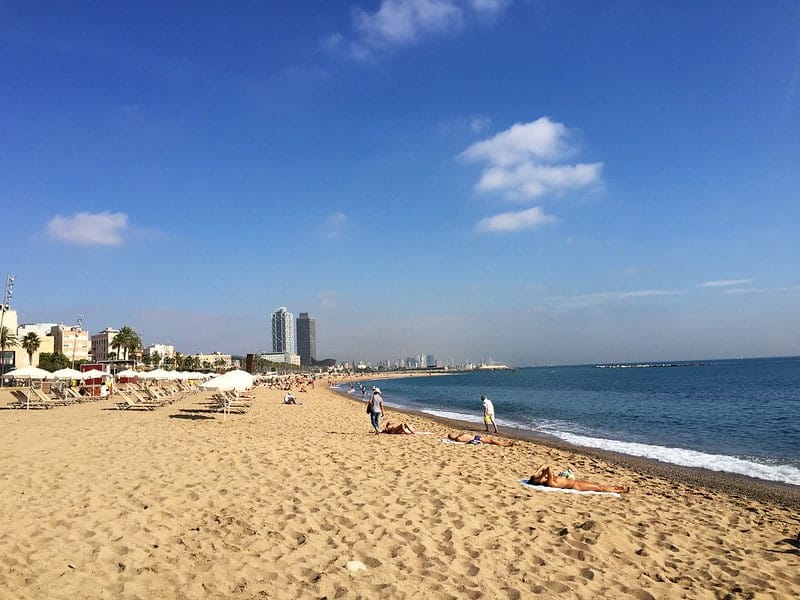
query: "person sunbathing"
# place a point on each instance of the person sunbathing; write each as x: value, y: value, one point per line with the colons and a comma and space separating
x: 397, y: 428
x: 566, y: 480
x: 467, y: 438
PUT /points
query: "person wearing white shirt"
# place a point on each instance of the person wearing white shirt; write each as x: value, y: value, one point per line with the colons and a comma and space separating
x: 488, y: 413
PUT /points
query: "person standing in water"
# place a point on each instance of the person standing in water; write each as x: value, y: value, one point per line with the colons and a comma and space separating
x: 488, y: 413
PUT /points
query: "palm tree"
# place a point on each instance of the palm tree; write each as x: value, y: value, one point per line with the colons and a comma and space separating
x: 127, y: 340
x: 30, y: 343
x: 8, y: 339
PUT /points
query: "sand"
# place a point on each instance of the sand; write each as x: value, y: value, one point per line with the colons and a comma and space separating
x: 274, y: 503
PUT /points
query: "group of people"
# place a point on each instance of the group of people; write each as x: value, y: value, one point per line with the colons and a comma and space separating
x: 544, y: 476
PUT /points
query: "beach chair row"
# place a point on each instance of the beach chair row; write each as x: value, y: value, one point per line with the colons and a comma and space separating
x: 231, y: 401
x: 135, y: 397
x: 37, y: 398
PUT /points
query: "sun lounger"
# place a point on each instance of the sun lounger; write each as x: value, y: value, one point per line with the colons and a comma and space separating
x: 129, y: 402
x: 227, y: 403
x: 28, y: 401
x: 47, y: 399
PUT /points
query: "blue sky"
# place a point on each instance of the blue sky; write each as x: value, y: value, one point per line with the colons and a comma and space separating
x: 526, y: 181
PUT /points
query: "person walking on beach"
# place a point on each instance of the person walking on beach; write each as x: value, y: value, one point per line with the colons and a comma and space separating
x: 375, y: 409
x: 488, y: 413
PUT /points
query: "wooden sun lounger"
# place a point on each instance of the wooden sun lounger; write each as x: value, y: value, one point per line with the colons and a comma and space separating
x: 26, y: 401
x: 46, y: 399
x: 129, y: 403
x: 225, y: 402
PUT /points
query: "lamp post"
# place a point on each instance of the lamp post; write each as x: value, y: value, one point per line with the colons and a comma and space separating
x: 75, y: 340
x: 9, y: 292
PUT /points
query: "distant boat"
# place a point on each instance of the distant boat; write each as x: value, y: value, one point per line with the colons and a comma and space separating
x: 492, y: 367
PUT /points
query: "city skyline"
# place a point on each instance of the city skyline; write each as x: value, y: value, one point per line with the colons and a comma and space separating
x: 536, y: 182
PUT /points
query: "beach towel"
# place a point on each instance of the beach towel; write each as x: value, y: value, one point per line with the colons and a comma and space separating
x: 544, y: 488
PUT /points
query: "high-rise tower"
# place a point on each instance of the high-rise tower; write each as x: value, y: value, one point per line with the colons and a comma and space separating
x: 283, y: 331
x: 306, y: 339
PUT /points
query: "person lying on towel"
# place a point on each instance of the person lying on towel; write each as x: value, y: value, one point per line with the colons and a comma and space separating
x: 566, y: 480
x: 478, y: 439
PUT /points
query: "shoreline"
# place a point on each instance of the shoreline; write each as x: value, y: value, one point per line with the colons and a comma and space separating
x: 733, y: 484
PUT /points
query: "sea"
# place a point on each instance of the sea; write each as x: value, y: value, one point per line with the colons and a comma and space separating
x: 737, y: 416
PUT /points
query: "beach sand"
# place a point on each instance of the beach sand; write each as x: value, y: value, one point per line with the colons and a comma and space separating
x: 183, y: 503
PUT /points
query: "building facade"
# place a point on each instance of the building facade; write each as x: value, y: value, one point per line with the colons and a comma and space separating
x: 282, y: 357
x: 40, y: 329
x: 217, y: 360
x: 283, y: 332
x: 101, y: 344
x: 71, y: 341
x: 306, y: 339
x: 46, y: 342
x: 161, y: 351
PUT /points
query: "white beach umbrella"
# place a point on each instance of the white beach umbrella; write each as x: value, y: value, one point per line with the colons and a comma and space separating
x: 94, y: 374
x: 67, y: 374
x: 157, y: 374
x: 30, y: 373
x: 128, y: 373
x: 232, y: 380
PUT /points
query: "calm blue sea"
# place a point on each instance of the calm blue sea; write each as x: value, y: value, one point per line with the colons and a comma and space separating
x: 739, y: 416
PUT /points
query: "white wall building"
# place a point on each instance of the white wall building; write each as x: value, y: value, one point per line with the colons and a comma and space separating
x: 163, y: 351
x: 282, y: 357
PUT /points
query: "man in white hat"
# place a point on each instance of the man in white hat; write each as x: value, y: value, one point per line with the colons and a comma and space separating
x: 375, y: 409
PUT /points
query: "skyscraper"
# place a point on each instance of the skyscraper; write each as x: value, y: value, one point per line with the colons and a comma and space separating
x: 306, y: 339
x: 283, y: 331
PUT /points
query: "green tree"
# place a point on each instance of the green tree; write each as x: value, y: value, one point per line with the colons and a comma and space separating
x: 53, y: 361
x: 31, y: 343
x: 8, y: 339
x: 155, y: 359
x: 126, y: 340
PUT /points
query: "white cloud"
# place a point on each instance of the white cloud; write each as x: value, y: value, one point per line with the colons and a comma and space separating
x: 99, y: 229
x: 403, y: 22
x: 541, y: 139
x: 489, y: 6
x: 530, y: 180
x: 725, y: 283
x: 514, y: 221
x: 334, y: 224
x: 328, y: 300
x: 479, y: 124
x: 527, y: 161
x: 604, y: 297
x: 790, y: 288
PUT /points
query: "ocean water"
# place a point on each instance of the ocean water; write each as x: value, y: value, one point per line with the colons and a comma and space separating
x: 738, y: 416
